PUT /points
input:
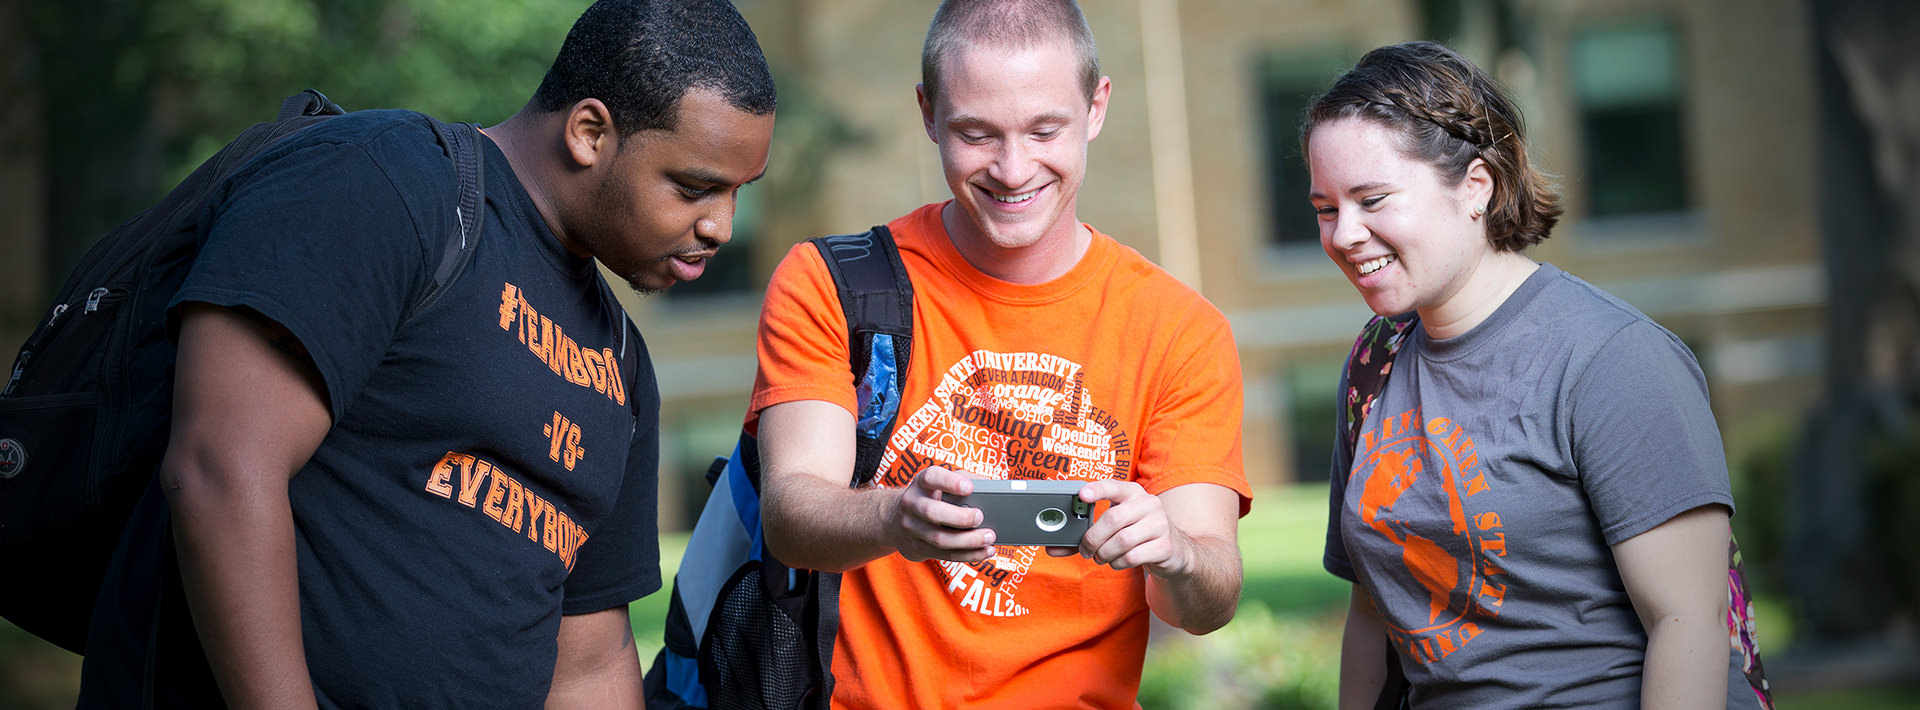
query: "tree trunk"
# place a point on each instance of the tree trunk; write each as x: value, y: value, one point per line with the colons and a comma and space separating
x: 102, y: 158
x: 1838, y: 568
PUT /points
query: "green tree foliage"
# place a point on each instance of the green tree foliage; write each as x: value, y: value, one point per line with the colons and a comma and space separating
x: 222, y: 64
x: 138, y: 92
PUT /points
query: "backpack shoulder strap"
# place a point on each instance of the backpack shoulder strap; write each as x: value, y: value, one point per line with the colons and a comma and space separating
x: 461, y: 141
x: 1368, y: 365
x: 876, y: 295
x: 297, y: 112
x: 308, y: 103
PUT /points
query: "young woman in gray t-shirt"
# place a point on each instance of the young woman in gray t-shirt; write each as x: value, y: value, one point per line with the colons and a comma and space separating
x: 1534, y: 513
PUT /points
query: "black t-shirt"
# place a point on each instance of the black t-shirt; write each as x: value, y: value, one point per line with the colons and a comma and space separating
x: 492, y: 462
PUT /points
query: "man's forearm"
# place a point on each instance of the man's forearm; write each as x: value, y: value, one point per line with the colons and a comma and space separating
x: 597, y: 666
x: 1206, y: 597
x: 238, y: 567
x: 813, y: 524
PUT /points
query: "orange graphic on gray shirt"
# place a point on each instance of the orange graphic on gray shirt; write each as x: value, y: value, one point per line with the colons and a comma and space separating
x: 1451, y: 547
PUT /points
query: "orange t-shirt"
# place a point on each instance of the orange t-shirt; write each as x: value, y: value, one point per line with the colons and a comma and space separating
x: 1114, y: 370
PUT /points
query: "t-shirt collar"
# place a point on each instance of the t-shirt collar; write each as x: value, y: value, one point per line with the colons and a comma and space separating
x: 1100, y: 255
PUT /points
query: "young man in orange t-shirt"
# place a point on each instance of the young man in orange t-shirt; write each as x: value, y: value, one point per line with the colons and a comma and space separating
x: 1043, y: 349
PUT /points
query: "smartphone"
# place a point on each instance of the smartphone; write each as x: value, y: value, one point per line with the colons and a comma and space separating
x: 1030, y: 512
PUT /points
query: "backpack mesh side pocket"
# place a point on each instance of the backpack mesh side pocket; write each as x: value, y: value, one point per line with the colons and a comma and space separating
x: 755, y: 649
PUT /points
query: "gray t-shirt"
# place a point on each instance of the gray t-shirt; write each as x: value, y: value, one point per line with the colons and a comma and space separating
x: 1496, y: 470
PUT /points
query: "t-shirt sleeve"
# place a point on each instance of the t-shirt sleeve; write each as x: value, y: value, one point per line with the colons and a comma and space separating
x: 620, y: 562
x: 1335, y: 558
x: 321, y: 241
x: 1193, y: 429
x: 802, y: 339
x: 1643, y: 434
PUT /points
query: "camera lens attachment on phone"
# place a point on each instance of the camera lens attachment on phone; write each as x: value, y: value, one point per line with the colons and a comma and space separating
x: 1050, y: 519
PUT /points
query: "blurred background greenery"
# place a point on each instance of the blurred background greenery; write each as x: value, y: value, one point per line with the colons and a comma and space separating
x: 104, y: 104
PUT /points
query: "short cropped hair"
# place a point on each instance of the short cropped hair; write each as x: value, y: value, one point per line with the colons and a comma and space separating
x: 1447, y: 112
x: 1007, y: 23
x: 641, y: 57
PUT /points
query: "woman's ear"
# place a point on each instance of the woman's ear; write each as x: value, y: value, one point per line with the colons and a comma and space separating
x: 1477, y: 187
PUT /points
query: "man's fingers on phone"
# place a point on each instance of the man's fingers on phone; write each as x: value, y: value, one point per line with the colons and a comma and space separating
x: 1115, y: 492
x: 923, y: 552
x: 923, y: 503
x: 948, y: 515
x: 980, y: 554
x: 950, y: 537
x: 936, y: 480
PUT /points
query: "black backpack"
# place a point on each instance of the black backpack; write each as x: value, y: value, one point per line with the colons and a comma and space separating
x: 85, y: 415
x: 743, y: 630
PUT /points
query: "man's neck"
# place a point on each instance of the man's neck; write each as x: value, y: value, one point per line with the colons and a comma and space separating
x: 1045, y: 260
x: 521, y: 138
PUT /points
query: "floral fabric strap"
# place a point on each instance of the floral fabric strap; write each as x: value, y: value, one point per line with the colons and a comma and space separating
x: 1368, y: 366
x: 1742, y: 632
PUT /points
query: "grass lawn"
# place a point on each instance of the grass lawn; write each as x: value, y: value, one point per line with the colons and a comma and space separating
x: 649, y: 614
x: 1282, y: 649
x: 1281, y: 542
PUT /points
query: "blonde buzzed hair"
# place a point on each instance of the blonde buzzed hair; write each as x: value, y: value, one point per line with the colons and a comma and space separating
x: 1016, y: 24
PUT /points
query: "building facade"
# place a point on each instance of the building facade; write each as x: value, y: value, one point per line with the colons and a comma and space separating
x: 1681, y: 132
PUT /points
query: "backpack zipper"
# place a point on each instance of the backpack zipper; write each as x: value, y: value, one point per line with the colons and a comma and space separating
x: 26, y: 353
x: 18, y: 368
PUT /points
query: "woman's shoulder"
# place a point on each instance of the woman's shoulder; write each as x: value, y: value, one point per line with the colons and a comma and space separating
x: 1587, y: 311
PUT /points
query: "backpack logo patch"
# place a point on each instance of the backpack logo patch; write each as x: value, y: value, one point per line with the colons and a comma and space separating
x: 851, y: 247
x: 13, y: 458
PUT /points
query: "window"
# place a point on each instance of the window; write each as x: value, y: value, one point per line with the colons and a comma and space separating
x: 691, y: 435
x: 731, y: 271
x: 1287, y: 83
x: 1444, y: 19
x: 1627, y: 81
x: 1310, y: 400
x: 1478, y: 29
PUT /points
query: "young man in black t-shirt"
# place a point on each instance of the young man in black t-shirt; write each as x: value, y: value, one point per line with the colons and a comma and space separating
x: 364, y: 506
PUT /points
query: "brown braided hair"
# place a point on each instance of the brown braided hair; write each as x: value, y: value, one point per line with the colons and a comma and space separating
x: 1448, y: 112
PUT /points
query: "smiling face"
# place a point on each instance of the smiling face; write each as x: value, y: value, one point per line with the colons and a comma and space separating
x: 664, y: 203
x: 1405, y: 239
x: 1013, y: 127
